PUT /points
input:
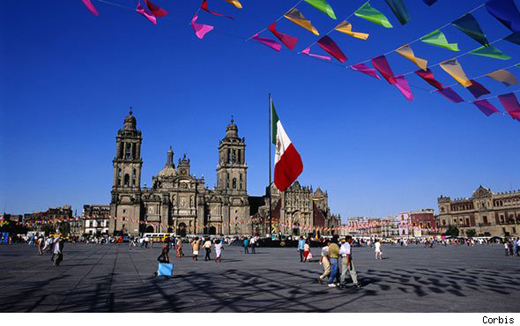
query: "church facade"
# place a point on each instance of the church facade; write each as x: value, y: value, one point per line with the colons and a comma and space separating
x: 178, y: 202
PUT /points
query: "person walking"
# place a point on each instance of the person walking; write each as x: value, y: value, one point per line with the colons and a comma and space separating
x: 218, y: 251
x: 518, y: 246
x: 506, y: 247
x: 207, y: 247
x: 179, y: 254
x: 40, y: 243
x: 347, y: 264
x: 253, y: 244
x: 515, y: 247
x: 334, y: 267
x: 378, y: 249
x: 306, y: 251
x: 195, y: 244
x: 246, y: 245
x: 324, y: 261
x: 164, y: 257
x: 301, y: 245
x: 511, y: 252
x: 58, y: 252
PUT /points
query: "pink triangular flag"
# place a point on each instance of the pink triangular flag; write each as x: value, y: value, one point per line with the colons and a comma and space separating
x: 91, y: 7
x: 451, y: 95
x: 486, y: 107
x: 327, y: 44
x: 146, y: 14
x: 268, y: 42
x: 381, y: 64
x: 307, y: 51
x: 363, y: 68
x: 402, y: 85
x: 510, y: 102
x: 288, y: 40
x: 476, y: 89
x: 155, y: 9
x: 200, y: 29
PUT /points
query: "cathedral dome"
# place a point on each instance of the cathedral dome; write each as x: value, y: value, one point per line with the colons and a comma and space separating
x: 130, y: 122
x: 167, y: 171
x: 232, y: 129
x: 169, y: 167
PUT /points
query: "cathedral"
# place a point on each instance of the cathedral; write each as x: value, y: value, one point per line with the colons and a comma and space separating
x: 178, y: 202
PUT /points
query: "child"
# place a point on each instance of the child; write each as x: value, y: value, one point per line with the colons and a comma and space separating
x: 218, y: 251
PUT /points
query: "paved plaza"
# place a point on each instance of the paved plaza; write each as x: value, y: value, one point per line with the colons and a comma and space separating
x: 95, y: 278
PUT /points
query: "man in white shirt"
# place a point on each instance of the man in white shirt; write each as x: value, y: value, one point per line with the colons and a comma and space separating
x: 345, y: 252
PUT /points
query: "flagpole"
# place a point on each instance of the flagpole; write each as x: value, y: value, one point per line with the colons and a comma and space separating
x: 270, y: 177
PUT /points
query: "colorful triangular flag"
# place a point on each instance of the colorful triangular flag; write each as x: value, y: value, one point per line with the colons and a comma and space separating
x: 491, y: 52
x: 346, y: 28
x: 470, y: 26
x: 372, y: 14
x: 327, y: 44
x: 288, y: 40
x: 297, y: 17
x: 407, y: 52
x: 323, y: 6
x: 437, y: 38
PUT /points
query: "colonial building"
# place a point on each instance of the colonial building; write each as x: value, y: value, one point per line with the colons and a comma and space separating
x: 177, y: 201
x: 485, y: 212
x: 96, y: 219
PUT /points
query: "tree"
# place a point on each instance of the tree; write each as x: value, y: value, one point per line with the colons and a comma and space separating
x: 64, y: 228
x: 452, y: 230
x: 471, y: 233
x: 48, y: 229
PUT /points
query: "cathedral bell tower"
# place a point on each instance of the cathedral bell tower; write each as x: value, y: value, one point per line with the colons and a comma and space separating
x: 232, y: 182
x: 125, y: 205
x: 232, y: 167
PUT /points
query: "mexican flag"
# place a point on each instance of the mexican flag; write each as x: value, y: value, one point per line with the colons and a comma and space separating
x: 287, y: 162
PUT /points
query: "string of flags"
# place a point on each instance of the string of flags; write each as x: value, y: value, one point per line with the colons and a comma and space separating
x: 504, y: 11
x: 252, y: 220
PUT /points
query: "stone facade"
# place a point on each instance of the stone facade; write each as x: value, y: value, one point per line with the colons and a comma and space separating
x: 178, y: 202
x: 488, y: 213
x: 296, y: 208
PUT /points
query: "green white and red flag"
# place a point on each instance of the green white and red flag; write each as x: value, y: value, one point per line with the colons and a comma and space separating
x: 287, y: 162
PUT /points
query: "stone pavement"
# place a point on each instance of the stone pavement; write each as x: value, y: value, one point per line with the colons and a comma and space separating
x: 96, y: 278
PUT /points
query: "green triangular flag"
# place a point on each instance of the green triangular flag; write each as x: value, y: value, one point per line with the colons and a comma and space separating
x: 437, y: 38
x: 274, y: 123
x: 470, y: 26
x: 399, y: 9
x: 513, y: 38
x: 490, y: 51
x: 323, y: 6
x: 372, y: 14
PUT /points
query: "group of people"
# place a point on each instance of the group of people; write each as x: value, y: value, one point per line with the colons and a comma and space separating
x: 512, y: 247
x: 332, y: 252
x: 49, y: 245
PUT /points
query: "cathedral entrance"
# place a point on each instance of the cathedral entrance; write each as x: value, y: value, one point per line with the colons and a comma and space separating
x: 212, y: 230
x: 149, y: 229
x: 181, y: 230
x: 296, y: 229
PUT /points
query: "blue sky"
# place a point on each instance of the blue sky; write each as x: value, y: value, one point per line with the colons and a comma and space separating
x: 68, y: 78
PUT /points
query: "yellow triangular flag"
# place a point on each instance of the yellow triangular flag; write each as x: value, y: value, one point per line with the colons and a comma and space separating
x: 297, y: 17
x: 454, y: 69
x: 407, y: 52
x: 346, y: 27
x: 235, y: 3
x: 505, y: 77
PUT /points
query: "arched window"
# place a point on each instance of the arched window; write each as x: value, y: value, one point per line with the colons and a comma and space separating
x: 128, y: 149
x: 234, y: 183
x: 126, y: 183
